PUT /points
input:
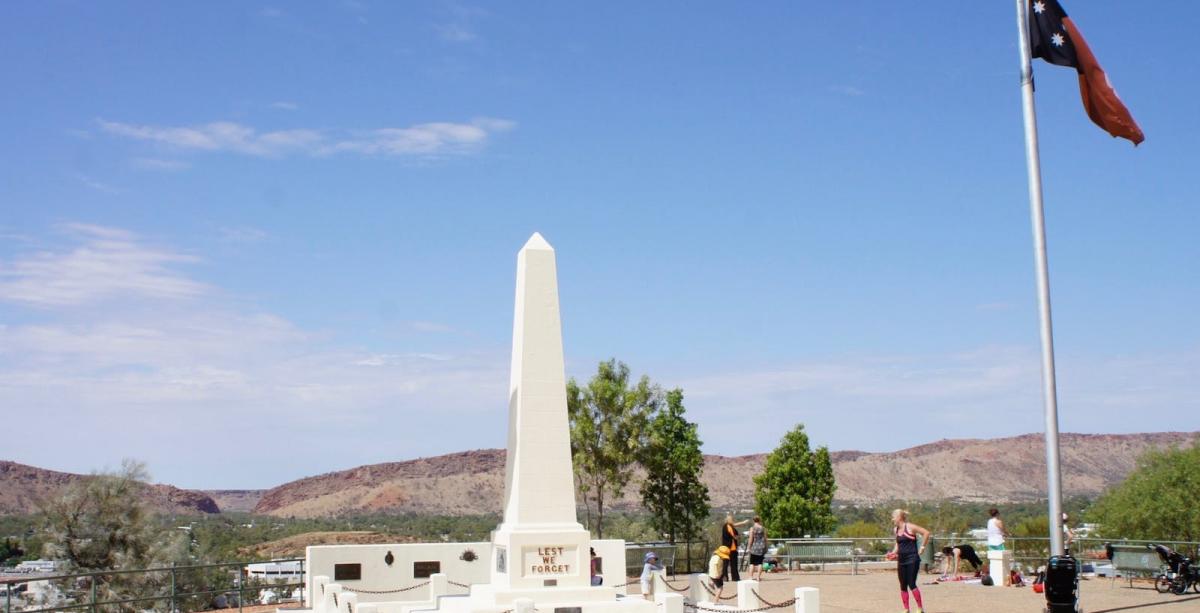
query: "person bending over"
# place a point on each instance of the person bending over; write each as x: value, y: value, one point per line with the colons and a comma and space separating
x: 957, y: 553
x: 716, y: 570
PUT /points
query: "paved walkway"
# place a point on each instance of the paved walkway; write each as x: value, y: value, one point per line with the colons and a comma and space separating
x: 878, y: 592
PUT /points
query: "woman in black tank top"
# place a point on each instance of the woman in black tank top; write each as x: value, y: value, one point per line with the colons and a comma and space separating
x: 907, y: 554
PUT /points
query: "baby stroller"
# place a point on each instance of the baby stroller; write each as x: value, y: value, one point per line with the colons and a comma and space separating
x: 1180, y: 573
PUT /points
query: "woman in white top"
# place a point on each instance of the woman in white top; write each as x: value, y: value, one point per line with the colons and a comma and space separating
x: 1068, y: 534
x: 995, y: 531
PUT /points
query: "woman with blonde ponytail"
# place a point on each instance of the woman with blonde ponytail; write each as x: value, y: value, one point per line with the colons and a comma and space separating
x: 907, y: 553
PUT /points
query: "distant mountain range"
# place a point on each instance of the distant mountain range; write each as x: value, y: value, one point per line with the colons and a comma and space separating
x: 23, y: 488
x: 472, y: 482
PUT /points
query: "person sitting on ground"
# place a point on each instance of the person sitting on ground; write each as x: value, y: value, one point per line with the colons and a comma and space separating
x: 648, y: 569
x: 956, y: 553
x: 597, y: 578
x: 716, y: 569
x: 1015, y: 578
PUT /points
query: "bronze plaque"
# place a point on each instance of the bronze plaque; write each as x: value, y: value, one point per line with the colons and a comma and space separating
x: 347, y: 572
x: 422, y: 570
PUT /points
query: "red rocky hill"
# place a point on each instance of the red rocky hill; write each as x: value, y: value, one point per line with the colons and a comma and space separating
x: 23, y: 487
x: 999, y: 470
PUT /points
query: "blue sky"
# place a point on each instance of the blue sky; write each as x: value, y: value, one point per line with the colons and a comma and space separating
x: 250, y: 242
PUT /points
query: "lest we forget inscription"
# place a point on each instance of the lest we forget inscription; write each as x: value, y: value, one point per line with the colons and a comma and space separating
x: 548, y: 560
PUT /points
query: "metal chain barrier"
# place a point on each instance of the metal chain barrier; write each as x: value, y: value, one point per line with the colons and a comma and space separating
x: 772, y: 605
x: 457, y: 584
x: 760, y: 610
x: 395, y: 591
x: 712, y: 593
x: 685, y: 588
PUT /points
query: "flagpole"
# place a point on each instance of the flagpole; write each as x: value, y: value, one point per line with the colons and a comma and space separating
x: 1049, y: 387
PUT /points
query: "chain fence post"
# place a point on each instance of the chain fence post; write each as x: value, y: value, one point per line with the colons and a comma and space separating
x: 8, y: 588
x: 241, y: 569
x: 303, y: 584
x: 172, y: 588
x: 93, y: 594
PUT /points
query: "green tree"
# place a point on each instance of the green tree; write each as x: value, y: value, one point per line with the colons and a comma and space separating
x: 10, y: 549
x: 794, y: 493
x: 672, y: 492
x: 862, y: 529
x: 608, y: 430
x: 100, y: 524
x: 1158, y: 500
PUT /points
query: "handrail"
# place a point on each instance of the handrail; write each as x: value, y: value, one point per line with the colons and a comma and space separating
x: 157, y: 569
x: 173, y: 597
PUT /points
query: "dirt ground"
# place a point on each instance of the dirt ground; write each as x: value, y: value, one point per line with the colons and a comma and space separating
x: 878, y: 591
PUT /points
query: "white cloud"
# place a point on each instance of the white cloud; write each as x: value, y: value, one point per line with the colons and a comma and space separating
x: 103, y: 263
x: 285, y: 106
x: 97, y: 185
x: 426, y: 139
x: 895, y: 401
x: 159, y: 164
x: 200, y: 381
x: 220, y: 136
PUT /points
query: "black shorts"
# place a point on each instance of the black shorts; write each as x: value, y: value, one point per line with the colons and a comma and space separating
x: 756, y: 559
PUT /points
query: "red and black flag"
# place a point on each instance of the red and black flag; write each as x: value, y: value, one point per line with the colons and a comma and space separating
x: 1054, y: 38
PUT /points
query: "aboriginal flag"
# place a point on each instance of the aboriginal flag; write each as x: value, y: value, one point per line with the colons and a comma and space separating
x: 1054, y: 38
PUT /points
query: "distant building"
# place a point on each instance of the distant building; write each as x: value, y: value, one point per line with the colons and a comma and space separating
x: 38, y: 566
x: 278, y: 572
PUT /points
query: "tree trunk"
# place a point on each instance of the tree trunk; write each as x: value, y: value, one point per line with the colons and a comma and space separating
x: 599, y: 514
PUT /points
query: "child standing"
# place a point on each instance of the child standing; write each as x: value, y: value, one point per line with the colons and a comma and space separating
x: 650, y: 567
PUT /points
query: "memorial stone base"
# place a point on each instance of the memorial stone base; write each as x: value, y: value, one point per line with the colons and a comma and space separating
x: 998, y: 564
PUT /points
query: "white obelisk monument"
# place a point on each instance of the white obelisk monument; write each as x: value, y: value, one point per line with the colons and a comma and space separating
x: 539, y: 544
x: 540, y: 553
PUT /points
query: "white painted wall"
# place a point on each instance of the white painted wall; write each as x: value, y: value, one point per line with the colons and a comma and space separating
x: 377, y: 575
x: 612, y: 554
